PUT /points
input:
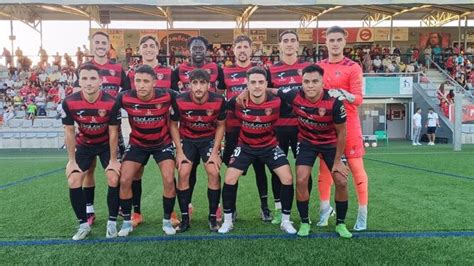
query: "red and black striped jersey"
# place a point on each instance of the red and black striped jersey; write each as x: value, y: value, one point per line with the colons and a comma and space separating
x: 316, y: 121
x: 148, y: 119
x: 257, y: 122
x: 283, y: 76
x: 113, y: 78
x: 180, y: 78
x: 93, y: 119
x: 163, y: 77
x: 199, y: 121
x: 235, y: 80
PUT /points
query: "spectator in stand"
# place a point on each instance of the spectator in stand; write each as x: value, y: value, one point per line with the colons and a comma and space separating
x: 402, y: 67
x: 57, y: 60
x: 112, y: 55
x: 31, y: 111
x: 441, y: 92
x: 128, y: 54
x: 367, y: 62
x: 79, y: 56
x: 18, y: 102
x: 377, y: 64
x: 427, y: 53
x: 53, y: 94
x: 40, y: 101
x: 450, y: 65
x: 19, y: 56
x: 8, y: 57
x: 87, y: 54
x: 8, y: 114
x: 43, y: 57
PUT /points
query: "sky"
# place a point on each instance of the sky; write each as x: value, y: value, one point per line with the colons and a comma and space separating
x: 66, y: 36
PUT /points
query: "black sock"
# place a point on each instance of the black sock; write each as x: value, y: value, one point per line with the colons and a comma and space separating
x: 192, y: 181
x: 303, y: 210
x: 137, y: 195
x: 261, y: 178
x: 78, y: 204
x: 213, y: 196
x: 276, y: 187
x: 89, y: 195
x: 310, y: 184
x: 287, y: 193
x: 229, y: 195
x: 113, y: 202
x: 183, y: 202
x: 168, y: 205
x: 341, y: 210
x: 126, y: 205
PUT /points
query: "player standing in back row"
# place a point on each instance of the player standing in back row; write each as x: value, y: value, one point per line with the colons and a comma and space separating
x: 235, y: 79
x: 343, y: 79
x: 286, y: 74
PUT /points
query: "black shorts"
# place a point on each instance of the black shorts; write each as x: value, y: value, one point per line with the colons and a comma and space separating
x: 85, y: 155
x: 231, y: 140
x: 431, y: 130
x: 198, y: 150
x: 306, y: 154
x: 243, y: 156
x: 287, y: 138
x: 141, y: 155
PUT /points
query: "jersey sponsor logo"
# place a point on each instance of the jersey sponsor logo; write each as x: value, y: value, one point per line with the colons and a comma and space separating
x: 112, y: 72
x: 286, y: 90
x: 257, y: 119
x: 254, y: 125
x: 311, y: 122
x: 135, y: 106
x: 245, y: 111
x: 268, y: 111
x: 147, y: 120
x: 93, y: 120
x: 322, y: 111
x: 188, y: 113
x: 278, y: 153
x: 237, y: 88
x: 209, y: 112
x: 102, y: 112
x: 234, y: 75
x: 343, y: 111
x: 93, y: 127
x: 300, y: 72
x: 280, y: 75
x: 160, y: 76
x: 158, y: 105
x: 292, y: 80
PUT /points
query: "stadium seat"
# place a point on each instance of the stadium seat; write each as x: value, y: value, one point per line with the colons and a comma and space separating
x: 20, y: 114
x: 57, y: 124
x: 15, y: 123
x: 47, y: 124
x: 41, y: 135
x: 30, y: 135
x: 52, y: 134
x: 381, y: 135
x: 52, y: 113
x: 37, y: 123
x: 26, y: 124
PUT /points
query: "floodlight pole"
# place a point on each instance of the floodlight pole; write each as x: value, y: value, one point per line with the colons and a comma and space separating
x: 317, y: 38
x: 391, y: 34
x: 459, y: 33
x: 168, y: 44
x: 41, y: 32
x: 12, y: 39
x: 465, y: 33
x: 458, y: 119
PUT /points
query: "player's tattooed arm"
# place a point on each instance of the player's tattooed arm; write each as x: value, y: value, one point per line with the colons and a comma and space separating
x: 70, y: 135
x: 339, y: 166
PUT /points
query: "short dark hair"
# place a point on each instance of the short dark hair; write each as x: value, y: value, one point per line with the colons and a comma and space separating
x: 312, y: 69
x: 89, y: 67
x: 242, y: 38
x: 335, y: 29
x: 146, y: 38
x: 199, y: 74
x: 146, y: 69
x: 197, y: 38
x: 103, y: 33
x: 288, y: 32
x: 418, y: 109
x: 257, y: 70
x: 430, y: 109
